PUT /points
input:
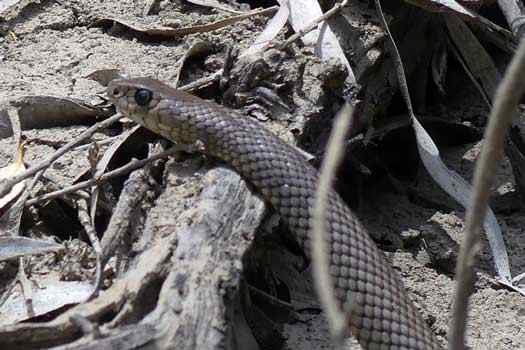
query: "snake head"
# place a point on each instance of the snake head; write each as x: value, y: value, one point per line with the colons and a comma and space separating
x: 157, y: 106
x: 134, y: 98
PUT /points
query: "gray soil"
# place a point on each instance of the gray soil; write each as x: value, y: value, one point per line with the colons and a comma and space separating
x: 54, y: 48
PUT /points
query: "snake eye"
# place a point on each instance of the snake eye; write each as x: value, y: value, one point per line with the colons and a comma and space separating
x: 143, y: 97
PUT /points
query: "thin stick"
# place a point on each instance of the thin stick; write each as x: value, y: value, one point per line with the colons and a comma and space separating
x: 314, y: 24
x: 27, y: 288
x: 132, y: 165
x: 504, y: 110
x: 87, y: 222
x: 100, y: 143
x: 202, y: 82
x: 320, y: 251
x: 133, y: 193
x: 16, y: 213
x: 6, y: 185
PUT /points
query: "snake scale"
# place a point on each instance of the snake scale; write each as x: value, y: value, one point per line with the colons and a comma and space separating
x: 369, y: 290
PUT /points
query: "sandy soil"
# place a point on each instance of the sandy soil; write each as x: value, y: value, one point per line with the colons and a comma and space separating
x: 55, y: 48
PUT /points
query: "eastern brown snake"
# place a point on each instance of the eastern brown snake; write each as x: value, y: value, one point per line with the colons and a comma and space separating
x: 369, y: 290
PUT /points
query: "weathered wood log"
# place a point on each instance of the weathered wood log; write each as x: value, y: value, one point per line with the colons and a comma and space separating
x: 182, y: 282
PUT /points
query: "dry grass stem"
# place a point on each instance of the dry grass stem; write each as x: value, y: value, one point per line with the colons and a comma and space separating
x: 504, y: 110
x: 320, y: 250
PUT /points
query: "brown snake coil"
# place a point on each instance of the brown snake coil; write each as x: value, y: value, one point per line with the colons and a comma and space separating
x: 369, y: 290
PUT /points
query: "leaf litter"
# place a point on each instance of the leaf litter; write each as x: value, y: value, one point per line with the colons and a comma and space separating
x: 280, y: 22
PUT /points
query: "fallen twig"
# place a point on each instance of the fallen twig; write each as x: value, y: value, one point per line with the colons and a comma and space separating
x: 132, y: 165
x: 314, y: 24
x: 27, y: 288
x: 5, y: 185
x: 87, y: 222
x: 133, y: 192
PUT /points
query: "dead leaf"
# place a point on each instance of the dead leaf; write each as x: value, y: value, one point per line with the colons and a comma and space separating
x: 8, y: 171
x: 273, y: 27
x: 51, y: 295
x: 475, y: 59
x: 501, y: 37
x: 450, y: 181
x: 132, y: 144
x: 151, y: 7
x: 163, y: 33
x: 15, y: 247
x: 449, y: 6
x: 198, y: 49
x: 302, y: 13
x: 48, y: 111
x: 214, y: 4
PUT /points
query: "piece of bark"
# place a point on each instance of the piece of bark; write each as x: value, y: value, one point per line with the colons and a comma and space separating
x: 184, y: 276
x: 203, y: 281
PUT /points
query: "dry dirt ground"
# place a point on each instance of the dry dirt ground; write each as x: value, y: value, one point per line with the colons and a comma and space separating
x: 55, y: 48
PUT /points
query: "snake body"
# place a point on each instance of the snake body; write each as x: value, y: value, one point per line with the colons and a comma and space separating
x: 381, y: 315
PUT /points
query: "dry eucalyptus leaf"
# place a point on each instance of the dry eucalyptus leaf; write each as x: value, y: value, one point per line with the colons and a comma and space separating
x: 477, y: 61
x: 37, y: 112
x: 162, y: 33
x: 450, y: 6
x: 302, y: 13
x: 500, y: 36
x: 15, y: 247
x: 133, y: 144
x: 450, y: 181
x: 51, y: 295
x: 9, y: 171
x: 198, y: 49
x: 273, y: 27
